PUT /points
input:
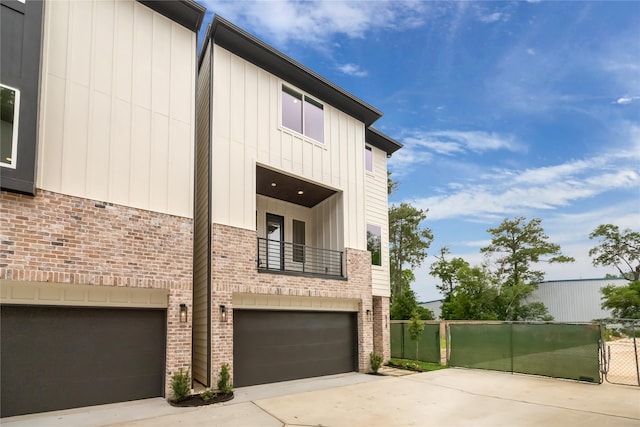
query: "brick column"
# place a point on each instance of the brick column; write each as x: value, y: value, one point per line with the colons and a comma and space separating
x: 381, y: 330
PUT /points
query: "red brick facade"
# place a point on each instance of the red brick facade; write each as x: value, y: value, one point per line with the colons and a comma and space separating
x: 63, y: 239
x: 381, y: 328
x: 234, y: 270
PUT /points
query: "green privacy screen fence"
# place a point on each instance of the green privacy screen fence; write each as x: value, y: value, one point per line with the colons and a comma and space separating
x: 549, y: 349
x: 428, y: 345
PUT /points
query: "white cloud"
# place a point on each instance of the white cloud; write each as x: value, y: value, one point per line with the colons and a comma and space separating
x: 493, y: 17
x: 626, y: 100
x: 420, y: 147
x: 352, y: 70
x: 317, y: 21
x: 531, y: 51
x: 510, y: 192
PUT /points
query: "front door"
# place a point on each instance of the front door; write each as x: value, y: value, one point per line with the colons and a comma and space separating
x: 275, y: 242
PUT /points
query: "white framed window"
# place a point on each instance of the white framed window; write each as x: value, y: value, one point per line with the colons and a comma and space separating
x: 9, y: 112
x: 374, y: 243
x: 368, y: 159
x: 302, y: 114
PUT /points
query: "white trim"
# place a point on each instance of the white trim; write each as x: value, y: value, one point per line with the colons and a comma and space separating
x: 293, y: 302
x: 16, y: 122
x: 314, y: 99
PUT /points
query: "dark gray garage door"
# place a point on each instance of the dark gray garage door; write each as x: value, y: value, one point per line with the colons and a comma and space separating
x: 270, y: 346
x: 61, y: 357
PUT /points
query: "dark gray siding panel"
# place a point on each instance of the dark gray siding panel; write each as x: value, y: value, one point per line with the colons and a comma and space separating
x: 66, y: 357
x: 271, y: 346
x: 21, y: 36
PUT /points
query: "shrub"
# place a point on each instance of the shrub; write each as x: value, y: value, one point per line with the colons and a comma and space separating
x: 180, y: 385
x: 224, y: 381
x: 376, y: 361
x: 207, y: 395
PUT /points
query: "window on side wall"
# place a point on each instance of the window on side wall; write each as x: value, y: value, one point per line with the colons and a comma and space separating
x: 298, y: 240
x: 302, y: 114
x: 9, y: 108
x: 368, y: 159
x: 374, y: 243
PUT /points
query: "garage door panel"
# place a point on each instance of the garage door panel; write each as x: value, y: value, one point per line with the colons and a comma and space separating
x: 64, y: 357
x: 272, y: 346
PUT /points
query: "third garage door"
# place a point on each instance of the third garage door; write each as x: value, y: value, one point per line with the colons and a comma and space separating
x: 271, y: 346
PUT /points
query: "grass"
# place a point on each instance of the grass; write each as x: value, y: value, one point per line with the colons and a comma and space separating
x: 415, y: 365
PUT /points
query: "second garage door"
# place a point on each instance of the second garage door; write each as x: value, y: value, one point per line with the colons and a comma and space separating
x: 271, y: 346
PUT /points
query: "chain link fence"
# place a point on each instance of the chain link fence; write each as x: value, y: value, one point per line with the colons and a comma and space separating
x: 619, y: 361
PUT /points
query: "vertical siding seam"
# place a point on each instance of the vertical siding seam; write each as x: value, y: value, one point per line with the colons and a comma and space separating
x: 112, y: 94
x: 151, y: 108
x: 169, y: 122
x: 88, y: 145
x: 66, y: 94
x: 133, y: 106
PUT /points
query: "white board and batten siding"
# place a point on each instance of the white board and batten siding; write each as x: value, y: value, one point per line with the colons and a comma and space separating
x: 377, y: 213
x: 247, y: 132
x: 574, y: 300
x: 117, y: 105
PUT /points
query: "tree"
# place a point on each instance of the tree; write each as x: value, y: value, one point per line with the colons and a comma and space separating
x: 415, y: 330
x: 405, y: 305
x: 408, y: 242
x: 518, y: 245
x: 482, y: 293
x: 623, y: 301
x: 617, y: 249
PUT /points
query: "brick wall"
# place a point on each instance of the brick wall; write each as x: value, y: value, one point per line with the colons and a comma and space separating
x: 381, y: 329
x: 58, y: 238
x: 234, y: 270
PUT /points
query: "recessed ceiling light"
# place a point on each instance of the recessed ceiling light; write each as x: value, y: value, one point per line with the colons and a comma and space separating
x: 300, y: 192
x: 273, y: 184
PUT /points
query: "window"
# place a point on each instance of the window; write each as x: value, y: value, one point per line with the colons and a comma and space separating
x: 302, y: 114
x: 374, y: 243
x: 298, y: 240
x: 9, y: 108
x: 368, y: 159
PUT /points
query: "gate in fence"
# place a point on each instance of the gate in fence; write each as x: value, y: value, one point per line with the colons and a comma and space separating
x: 619, y: 351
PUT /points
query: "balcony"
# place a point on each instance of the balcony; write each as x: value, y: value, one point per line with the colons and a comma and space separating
x: 289, y: 258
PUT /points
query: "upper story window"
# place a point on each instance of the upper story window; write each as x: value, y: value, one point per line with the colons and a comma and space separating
x: 9, y: 108
x: 374, y: 243
x: 302, y: 114
x: 368, y: 159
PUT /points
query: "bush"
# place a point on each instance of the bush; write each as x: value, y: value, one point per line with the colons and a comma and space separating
x: 207, y: 395
x: 180, y: 385
x: 376, y: 361
x: 224, y: 381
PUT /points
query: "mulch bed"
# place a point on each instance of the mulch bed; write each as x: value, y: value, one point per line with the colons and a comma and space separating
x: 197, y: 400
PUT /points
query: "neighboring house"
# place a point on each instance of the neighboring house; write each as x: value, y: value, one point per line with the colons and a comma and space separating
x: 118, y: 268
x: 96, y: 207
x: 576, y: 300
x: 291, y: 241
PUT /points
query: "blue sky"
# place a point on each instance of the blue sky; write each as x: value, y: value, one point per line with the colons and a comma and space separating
x: 505, y: 108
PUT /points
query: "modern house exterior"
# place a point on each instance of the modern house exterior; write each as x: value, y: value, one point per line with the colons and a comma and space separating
x: 96, y: 207
x: 291, y: 242
x: 163, y: 210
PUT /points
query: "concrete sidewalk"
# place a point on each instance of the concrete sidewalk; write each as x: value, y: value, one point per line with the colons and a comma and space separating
x: 450, y: 397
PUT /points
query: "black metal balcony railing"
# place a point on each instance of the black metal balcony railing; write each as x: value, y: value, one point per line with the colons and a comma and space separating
x: 291, y: 257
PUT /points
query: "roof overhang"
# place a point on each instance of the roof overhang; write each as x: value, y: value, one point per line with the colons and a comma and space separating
x: 239, y: 42
x: 187, y: 13
x: 379, y: 140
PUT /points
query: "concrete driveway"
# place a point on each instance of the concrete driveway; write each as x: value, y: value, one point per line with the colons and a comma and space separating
x: 450, y: 397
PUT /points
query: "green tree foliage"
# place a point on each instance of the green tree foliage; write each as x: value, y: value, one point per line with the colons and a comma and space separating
x: 623, y: 301
x: 416, y: 326
x: 517, y: 245
x: 479, y: 293
x: 617, y: 249
x: 408, y: 242
x: 406, y: 305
